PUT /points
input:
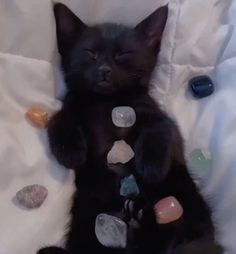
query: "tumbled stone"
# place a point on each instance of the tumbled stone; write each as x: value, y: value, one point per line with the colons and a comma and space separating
x: 123, y: 116
x: 111, y: 231
x: 200, y: 160
x: 129, y: 186
x: 168, y: 210
x: 37, y: 117
x: 32, y: 196
x: 121, y: 152
x: 202, y: 86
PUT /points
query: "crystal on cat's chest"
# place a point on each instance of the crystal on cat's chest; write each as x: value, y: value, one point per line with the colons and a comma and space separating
x: 120, y: 152
x: 111, y: 231
x: 123, y: 117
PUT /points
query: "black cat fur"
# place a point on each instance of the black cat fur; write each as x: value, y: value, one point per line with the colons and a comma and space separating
x: 106, y: 66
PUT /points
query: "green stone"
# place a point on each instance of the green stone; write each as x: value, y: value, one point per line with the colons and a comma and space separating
x: 129, y: 187
x: 200, y: 160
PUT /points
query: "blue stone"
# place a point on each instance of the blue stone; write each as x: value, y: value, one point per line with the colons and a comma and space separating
x: 202, y: 86
x: 129, y: 187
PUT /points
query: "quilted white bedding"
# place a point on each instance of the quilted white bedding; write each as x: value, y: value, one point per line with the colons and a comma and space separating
x: 200, y: 38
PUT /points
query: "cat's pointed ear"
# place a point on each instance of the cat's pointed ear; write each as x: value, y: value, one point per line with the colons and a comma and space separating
x: 152, y: 27
x: 68, y: 26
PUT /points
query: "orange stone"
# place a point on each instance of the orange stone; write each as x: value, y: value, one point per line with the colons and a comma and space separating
x: 37, y: 117
x: 168, y: 210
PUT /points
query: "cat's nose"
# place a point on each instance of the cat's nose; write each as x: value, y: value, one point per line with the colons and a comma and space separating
x: 105, y: 71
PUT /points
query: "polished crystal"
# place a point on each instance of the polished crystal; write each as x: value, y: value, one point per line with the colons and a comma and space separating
x: 111, y: 231
x: 123, y: 116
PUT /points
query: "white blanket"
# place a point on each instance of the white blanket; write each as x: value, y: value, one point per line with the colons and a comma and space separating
x: 200, y: 38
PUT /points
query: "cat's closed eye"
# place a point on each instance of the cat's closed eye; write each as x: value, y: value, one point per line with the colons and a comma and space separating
x: 124, y: 56
x: 91, y: 53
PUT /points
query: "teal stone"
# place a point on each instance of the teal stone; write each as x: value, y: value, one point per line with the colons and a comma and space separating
x: 129, y: 187
x: 200, y: 160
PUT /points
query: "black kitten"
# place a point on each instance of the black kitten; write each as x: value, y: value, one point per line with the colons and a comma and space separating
x: 107, y: 66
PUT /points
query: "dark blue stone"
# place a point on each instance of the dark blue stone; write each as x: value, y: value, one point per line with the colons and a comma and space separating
x: 202, y: 86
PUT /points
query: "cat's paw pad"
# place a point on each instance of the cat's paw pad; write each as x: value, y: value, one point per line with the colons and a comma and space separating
x: 133, y: 210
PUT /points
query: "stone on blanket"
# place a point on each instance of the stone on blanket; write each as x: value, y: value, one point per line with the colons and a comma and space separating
x: 121, y: 152
x: 129, y: 187
x: 202, y: 86
x: 168, y: 210
x: 200, y: 160
x: 123, y: 117
x: 32, y: 196
x: 111, y: 231
x: 37, y: 117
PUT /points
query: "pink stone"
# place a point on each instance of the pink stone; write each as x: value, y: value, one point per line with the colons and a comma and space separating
x: 168, y: 210
x: 121, y: 152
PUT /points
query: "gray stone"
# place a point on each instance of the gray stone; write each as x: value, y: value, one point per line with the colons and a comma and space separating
x: 111, y: 231
x: 123, y: 116
x: 31, y: 196
x: 129, y: 186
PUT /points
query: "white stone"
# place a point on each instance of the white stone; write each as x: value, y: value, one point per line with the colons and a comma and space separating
x: 121, y: 152
x: 31, y: 196
x: 123, y: 116
x: 111, y: 231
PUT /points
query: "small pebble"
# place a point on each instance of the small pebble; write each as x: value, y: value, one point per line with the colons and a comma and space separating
x: 38, y: 117
x: 129, y: 187
x: 200, y: 161
x: 202, y: 86
x: 121, y: 152
x: 111, y: 231
x: 32, y: 196
x: 168, y: 210
x: 123, y: 116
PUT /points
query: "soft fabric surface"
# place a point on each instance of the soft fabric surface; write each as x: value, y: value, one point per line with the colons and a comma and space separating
x: 200, y: 38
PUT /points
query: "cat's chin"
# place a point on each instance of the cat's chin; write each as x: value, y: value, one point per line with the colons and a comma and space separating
x: 104, y: 88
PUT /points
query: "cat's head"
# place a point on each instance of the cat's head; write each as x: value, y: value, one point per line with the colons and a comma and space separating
x: 108, y: 58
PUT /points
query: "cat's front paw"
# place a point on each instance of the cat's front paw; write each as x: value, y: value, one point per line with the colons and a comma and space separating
x: 133, y: 209
x: 68, y: 147
x: 152, y: 157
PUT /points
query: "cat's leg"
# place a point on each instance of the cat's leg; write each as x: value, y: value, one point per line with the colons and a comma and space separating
x: 97, y: 193
x: 157, y: 147
x: 52, y: 250
x: 66, y: 140
x: 161, y: 172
